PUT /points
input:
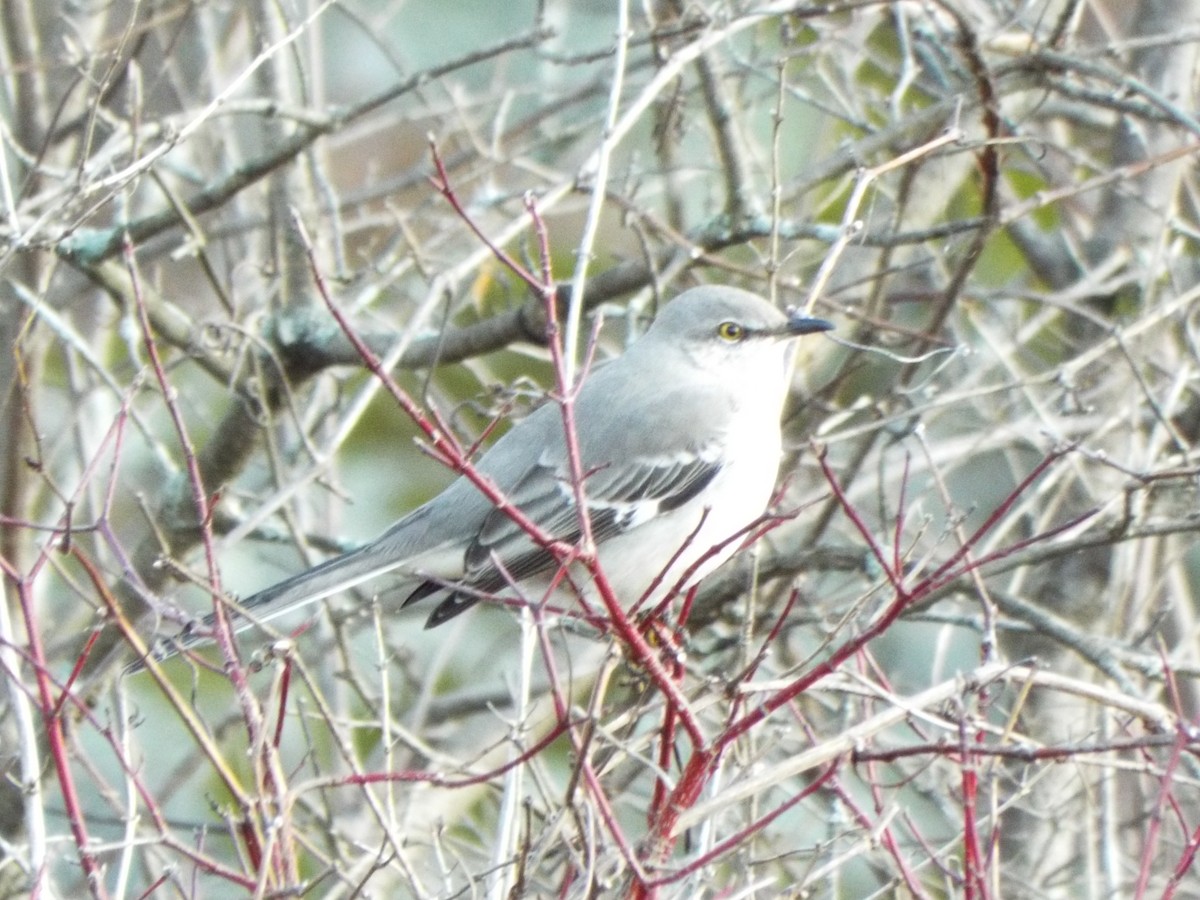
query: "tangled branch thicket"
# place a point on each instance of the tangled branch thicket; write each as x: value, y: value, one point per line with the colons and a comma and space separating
x: 962, y: 658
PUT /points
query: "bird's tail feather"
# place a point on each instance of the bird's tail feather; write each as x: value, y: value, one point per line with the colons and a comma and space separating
x: 341, y: 573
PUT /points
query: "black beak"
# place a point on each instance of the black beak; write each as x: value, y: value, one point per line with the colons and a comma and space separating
x: 798, y: 324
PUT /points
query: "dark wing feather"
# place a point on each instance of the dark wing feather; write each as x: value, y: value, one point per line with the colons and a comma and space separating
x: 618, y: 500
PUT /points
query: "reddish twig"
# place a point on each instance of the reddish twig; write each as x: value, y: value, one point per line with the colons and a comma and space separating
x: 750, y: 830
x: 885, y: 834
x: 1166, y: 785
x: 56, y: 738
x: 442, y: 185
x: 973, y: 881
x: 941, y: 574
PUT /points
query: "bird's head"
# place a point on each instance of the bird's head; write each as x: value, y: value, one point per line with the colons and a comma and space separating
x: 724, y: 327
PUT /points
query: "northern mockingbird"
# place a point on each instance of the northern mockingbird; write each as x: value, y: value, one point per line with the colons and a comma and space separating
x: 679, y: 441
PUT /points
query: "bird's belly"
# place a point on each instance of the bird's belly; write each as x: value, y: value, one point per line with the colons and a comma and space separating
x: 695, y: 535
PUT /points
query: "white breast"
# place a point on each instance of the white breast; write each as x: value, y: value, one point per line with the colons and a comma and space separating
x: 738, y: 495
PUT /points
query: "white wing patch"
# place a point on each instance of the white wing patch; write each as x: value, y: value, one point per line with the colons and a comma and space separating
x: 619, y: 499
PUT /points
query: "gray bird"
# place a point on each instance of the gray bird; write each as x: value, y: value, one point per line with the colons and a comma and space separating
x: 680, y: 444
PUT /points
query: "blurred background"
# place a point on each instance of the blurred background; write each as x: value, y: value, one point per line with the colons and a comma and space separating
x: 961, y: 659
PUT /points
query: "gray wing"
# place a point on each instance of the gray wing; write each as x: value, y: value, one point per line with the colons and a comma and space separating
x: 619, y: 498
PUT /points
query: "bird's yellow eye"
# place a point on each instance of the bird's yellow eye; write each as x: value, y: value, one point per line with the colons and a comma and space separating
x: 731, y: 331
